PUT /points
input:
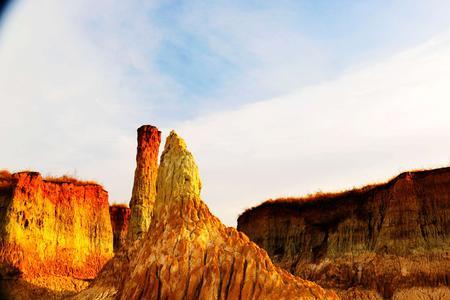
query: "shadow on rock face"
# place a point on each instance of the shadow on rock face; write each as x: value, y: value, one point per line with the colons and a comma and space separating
x: 13, y: 287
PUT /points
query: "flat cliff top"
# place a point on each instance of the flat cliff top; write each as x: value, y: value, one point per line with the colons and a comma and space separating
x: 321, y: 199
x: 59, y: 190
x: 7, y: 179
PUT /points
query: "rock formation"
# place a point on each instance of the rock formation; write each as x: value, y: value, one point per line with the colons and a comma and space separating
x: 144, y: 188
x: 188, y: 253
x: 389, y: 240
x: 120, y: 217
x: 51, y: 229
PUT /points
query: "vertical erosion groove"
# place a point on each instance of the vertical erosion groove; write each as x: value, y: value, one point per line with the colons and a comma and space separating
x: 243, y: 279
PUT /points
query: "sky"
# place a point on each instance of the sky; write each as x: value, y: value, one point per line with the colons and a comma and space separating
x: 281, y: 98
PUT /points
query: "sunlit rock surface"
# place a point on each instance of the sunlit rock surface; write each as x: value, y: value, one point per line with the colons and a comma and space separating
x: 383, y: 241
x: 144, y: 187
x: 188, y: 253
x: 54, y: 233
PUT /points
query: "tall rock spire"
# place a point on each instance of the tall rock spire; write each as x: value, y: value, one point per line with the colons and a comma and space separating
x: 188, y: 253
x: 144, y: 188
x: 178, y: 176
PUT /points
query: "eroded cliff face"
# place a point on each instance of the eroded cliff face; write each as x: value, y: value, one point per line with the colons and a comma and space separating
x: 49, y: 229
x: 188, y: 253
x: 384, y: 241
x: 144, y: 187
x: 120, y: 217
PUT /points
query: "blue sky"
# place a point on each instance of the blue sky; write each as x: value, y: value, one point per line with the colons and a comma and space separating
x: 337, y: 34
x: 77, y: 79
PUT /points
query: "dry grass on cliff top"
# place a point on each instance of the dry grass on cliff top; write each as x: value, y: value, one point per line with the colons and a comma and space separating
x: 69, y: 179
x: 322, y: 197
x: 5, y: 174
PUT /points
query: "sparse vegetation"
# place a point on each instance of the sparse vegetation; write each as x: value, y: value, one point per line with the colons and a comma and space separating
x: 321, y: 197
x: 5, y: 174
x: 68, y: 179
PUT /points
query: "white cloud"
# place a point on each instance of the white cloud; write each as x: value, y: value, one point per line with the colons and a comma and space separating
x: 366, y: 126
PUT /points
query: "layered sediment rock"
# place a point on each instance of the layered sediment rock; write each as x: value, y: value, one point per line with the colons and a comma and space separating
x: 144, y: 188
x: 120, y: 217
x: 387, y: 240
x: 52, y: 228
x: 188, y: 253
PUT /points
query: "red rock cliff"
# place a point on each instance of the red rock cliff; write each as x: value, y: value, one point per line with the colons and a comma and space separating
x: 389, y: 238
x: 57, y: 227
x: 144, y: 187
x: 188, y: 253
x: 120, y: 216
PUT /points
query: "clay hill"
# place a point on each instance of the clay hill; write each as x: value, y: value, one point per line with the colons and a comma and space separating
x: 120, y: 217
x: 54, y: 233
x: 188, y: 253
x: 390, y: 240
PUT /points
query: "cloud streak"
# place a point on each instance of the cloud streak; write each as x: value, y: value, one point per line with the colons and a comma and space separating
x: 369, y: 124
